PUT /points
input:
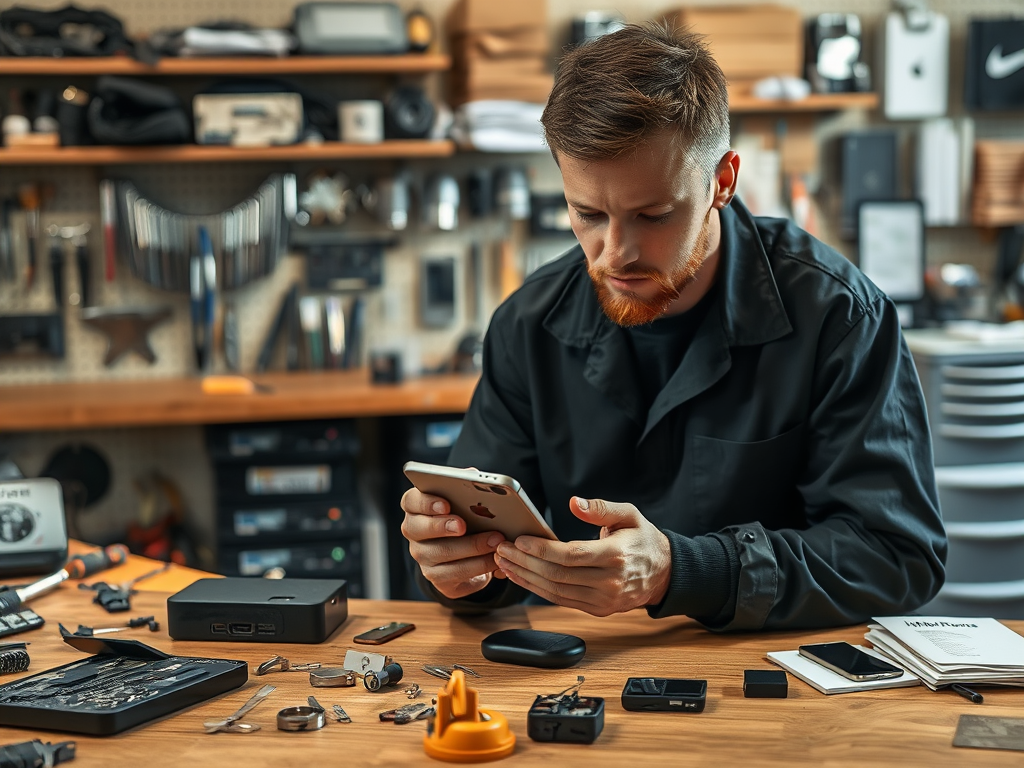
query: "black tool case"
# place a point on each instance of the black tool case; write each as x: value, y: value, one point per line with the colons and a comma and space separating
x: 127, y: 683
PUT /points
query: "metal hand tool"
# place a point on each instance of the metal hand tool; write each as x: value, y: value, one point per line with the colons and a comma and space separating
x: 281, y: 664
x: 78, y: 567
x: 31, y: 198
x: 127, y: 586
x: 36, y: 754
x: 108, y: 219
x: 210, y: 295
x: 139, y: 621
x: 7, y: 269
x: 230, y: 723
x: 57, y: 266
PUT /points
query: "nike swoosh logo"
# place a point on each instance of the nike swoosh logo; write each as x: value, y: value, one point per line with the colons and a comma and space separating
x: 998, y: 66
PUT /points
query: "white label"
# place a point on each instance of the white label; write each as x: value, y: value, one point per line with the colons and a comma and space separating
x: 267, y: 481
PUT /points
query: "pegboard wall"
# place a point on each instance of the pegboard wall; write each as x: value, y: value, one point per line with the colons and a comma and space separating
x: 391, y: 311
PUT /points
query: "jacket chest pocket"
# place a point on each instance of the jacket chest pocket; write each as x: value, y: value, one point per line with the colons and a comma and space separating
x: 736, y: 483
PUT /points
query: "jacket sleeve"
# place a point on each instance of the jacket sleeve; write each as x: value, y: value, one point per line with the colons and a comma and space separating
x: 874, y: 542
x: 497, y: 436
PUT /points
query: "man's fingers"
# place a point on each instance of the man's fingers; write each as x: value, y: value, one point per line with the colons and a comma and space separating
x: 578, y: 592
x: 459, y: 571
x: 569, y: 553
x: 424, y: 527
x: 455, y: 591
x: 437, y: 551
x: 415, y: 502
x: 548, y: 569
x: 551, y: 596
x: 611, y: 514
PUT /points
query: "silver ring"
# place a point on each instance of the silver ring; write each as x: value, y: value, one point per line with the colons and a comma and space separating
x: 332, y: 677
x: 301, y: 719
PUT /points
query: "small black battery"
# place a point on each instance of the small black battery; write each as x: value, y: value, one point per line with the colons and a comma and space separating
x: 568, y: 719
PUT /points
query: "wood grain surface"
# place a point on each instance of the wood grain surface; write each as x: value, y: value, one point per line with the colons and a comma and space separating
x: 162, y: 402
x: 906, y: 727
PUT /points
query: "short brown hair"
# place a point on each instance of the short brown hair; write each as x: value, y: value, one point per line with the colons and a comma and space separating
x: 612, y: 93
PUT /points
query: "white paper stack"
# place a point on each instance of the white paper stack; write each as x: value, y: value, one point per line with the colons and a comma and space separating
x: 499, y: 126
x: 828, y: 682
x: 943, y: 650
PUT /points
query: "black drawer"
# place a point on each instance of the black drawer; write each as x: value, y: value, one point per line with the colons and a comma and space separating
x: 294, y: 441
x: 340, y: 558
x: 294, y: 481
x: 264, y: 520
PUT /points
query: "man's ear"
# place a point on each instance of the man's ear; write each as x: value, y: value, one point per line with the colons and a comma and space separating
x: 726, y: 175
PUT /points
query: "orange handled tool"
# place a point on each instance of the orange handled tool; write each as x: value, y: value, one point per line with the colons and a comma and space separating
x: 78, y: 567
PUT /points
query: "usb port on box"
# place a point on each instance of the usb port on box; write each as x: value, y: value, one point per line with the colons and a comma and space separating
x: 240, y: 628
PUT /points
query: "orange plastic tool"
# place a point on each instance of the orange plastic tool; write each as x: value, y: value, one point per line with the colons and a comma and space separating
x: 461, y: 732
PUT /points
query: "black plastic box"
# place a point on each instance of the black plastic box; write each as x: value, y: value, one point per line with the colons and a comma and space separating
x: 202, y: 680
x: 659, y: 694
x: 258, y: 610
x: 765, y: 684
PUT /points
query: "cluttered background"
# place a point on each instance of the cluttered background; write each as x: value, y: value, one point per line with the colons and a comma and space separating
x: 310, y: 187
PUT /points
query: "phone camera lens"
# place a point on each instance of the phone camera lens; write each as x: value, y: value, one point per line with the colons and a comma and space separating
x: 482, y: 488
x: 498, y: 490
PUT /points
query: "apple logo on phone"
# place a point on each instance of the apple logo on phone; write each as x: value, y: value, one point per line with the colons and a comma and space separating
x: 481, y: 511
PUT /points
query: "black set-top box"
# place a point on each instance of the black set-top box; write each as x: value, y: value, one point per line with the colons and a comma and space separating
x: 258, y: 610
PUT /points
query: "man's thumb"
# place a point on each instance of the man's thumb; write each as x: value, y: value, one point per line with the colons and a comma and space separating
x: 607, y: 514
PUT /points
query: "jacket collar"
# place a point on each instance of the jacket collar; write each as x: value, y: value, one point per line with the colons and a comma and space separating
x: 751, y: 307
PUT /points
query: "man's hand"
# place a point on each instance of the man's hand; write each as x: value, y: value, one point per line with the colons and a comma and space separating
x: 457, y: 565
x: 628, y: 567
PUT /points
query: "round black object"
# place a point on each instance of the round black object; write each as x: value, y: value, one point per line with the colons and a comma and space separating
x: 82, y: 471
x: 533, y: 648
x: 408, y: 113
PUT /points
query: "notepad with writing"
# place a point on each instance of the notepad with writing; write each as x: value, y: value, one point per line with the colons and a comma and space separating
x: 942, y: 650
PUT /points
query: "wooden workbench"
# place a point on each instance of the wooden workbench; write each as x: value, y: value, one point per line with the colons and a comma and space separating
x: 900, y: 727
x: 163, y: 402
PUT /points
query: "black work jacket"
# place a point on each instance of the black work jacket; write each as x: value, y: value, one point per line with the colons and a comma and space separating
x: 793, y: 431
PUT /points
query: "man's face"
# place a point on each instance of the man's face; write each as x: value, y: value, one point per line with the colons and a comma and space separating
x: 647, y: 228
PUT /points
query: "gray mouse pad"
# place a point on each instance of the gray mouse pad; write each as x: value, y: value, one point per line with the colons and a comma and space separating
x: 990, y: 732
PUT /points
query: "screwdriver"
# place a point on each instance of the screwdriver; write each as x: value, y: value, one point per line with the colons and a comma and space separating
x: 140, y: 621
x: 78, y: 567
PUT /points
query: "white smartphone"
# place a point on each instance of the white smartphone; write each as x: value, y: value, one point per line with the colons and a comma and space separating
x: 486, y: 501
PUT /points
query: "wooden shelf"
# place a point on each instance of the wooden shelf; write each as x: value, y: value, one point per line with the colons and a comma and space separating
x: 816, y: 102
x: 193, y: 153
x: 238, y: 65
x: 163, y: 402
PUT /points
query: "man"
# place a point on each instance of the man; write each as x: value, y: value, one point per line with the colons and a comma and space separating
x: 718, y: 411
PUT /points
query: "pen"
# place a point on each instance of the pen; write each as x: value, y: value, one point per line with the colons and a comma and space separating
x: 968, y: 694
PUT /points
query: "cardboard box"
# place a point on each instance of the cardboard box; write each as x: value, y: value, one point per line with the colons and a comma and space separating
x: 484, y: 15
x: 500, y: 72
x: 749, y: 42
x: 502, y: 43
x: 534, y: 90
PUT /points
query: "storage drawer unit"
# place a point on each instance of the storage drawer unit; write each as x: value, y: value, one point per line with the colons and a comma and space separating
x: 288, y: 497
x: 975, y: 397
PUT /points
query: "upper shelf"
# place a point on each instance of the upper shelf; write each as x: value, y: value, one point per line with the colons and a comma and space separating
x: 193, y: 153
x: 816, y: 102
x: 239, y: 65
x: 164, y: 402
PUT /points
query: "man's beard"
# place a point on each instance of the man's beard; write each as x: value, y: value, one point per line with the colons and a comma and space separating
x: 629, y: 309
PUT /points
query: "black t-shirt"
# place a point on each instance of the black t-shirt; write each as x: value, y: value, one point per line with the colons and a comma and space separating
x: 659, y: 347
